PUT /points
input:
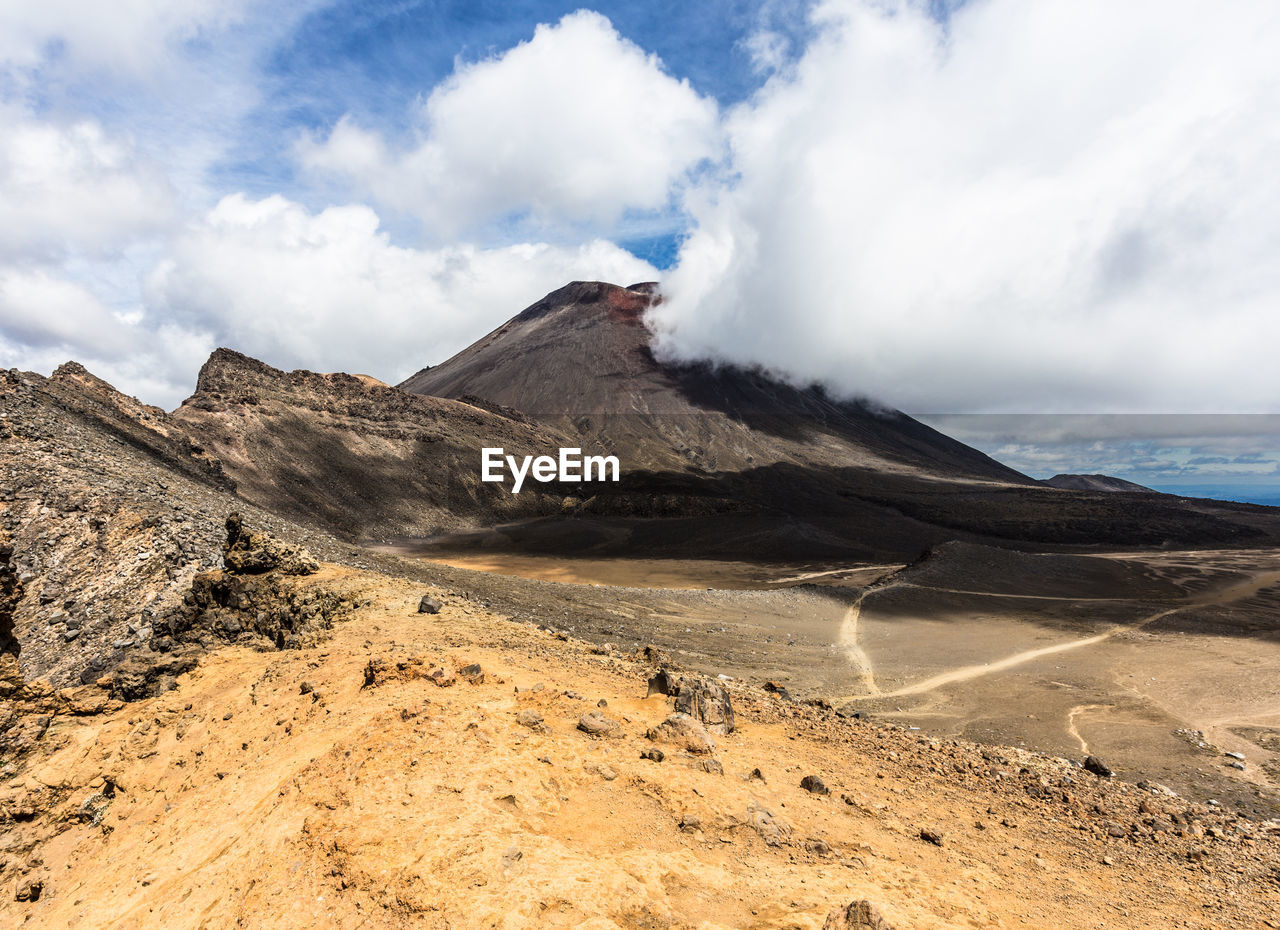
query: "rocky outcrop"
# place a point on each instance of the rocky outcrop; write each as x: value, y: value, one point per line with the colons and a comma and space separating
x: 249, y: 553
x: 10, y: 594
x: 703, y: 699
x: 252, y: 599
x: 358, y: 457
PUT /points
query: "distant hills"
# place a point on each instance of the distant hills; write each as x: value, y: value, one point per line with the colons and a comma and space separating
x: 1096, y: 483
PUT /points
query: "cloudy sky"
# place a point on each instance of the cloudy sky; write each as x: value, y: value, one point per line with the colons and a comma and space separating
x: 988, y: 207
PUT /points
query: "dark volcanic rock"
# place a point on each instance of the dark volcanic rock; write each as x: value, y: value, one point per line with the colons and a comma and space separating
x: 10, y: 594
x: 429, y: 605
x: 355, y: 455
x: 814, y: 785
x: 1097, y: 767
x: 248, y: 553
x: 253, y: 600
x: 142, y: 677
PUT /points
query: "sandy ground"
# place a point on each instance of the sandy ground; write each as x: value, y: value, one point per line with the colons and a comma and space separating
x: 1098, y: 671
x: 240, y: 799
x: 674, y: 574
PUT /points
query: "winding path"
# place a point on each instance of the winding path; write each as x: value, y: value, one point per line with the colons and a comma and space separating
x: 859, y: 657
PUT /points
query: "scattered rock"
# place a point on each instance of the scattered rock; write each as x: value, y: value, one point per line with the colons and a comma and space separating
x: 379, y: 671
x: 689, y: 823
x: 814, y: 785
x: 780, y: 690
x: 818, y: 847
x: 472, y: 673
x: 429, y: 605
x: 931, y: 836
x: 710, y: 766
x: 859, y: 915
x: 597, y: 725
x: 531, y: 719
x: 306, y: 687
x: 29, y: 890
x: 653, y: 754
x: 607, y: 772
x: 773, y: 831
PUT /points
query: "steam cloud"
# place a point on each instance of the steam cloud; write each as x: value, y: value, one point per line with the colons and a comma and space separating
x: 1066, y: 205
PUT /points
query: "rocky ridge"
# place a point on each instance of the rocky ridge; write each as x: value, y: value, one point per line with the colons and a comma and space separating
x: 354, y: 455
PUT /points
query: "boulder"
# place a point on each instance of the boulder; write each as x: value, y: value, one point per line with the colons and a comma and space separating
x: 1097, y: 767
x: 704, y: 699
x: 249, y: 553
x: 531, y: 719
x: 858, y: 915
x: 814, y: 785
x: 683, y: 731
x: 598, y: 725
x: 773, y: 831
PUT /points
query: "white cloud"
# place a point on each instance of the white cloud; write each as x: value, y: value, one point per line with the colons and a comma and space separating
x: 1067, y: 204
x: 576, y: 125
x: 66, y: 188
x: 122, y: 35
x: 328, y: 291
x: 41, y: 310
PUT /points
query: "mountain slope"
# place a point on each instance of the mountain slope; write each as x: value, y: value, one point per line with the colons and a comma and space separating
x: 354, y: 455
x: 580, y: 359
x: 1095, y: 483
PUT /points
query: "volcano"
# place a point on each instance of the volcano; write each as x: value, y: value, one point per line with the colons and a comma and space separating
x: 740, y: 463
x: 581, y: 360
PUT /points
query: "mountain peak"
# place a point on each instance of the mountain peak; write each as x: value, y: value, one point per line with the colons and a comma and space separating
x: 622, y: 304
x: 228, y: 370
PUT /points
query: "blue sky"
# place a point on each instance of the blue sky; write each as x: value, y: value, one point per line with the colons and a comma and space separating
x: 987, y: 208
x: 372, y: 60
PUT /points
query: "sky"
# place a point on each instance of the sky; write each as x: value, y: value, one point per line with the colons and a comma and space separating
x: 1048, y: 226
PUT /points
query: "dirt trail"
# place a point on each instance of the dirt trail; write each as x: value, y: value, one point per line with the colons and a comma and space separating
x: 853, y: 649
x: 1233, y: 592
x: 1073, y: 731
x: 969, y: 672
